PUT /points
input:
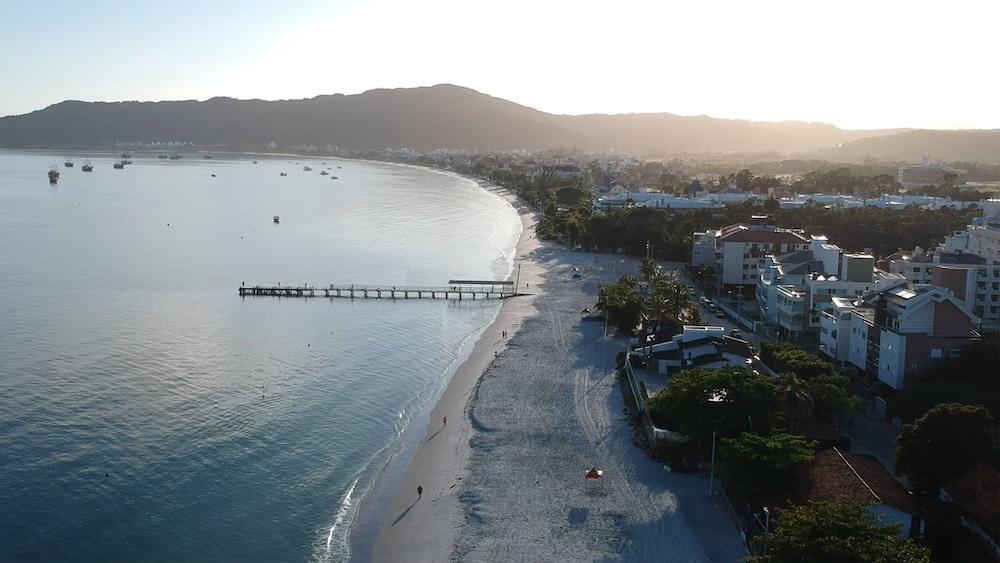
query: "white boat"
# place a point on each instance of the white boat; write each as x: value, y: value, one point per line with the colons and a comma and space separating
x: 324, y: 173
x: 277, y: 219
x: 307, y: 169
x: 283, y: 174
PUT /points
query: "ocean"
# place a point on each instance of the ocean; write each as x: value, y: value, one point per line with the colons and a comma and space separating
x: 149, y: 413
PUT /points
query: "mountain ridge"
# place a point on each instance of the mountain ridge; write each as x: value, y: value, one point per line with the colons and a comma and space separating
x: 446, y: 116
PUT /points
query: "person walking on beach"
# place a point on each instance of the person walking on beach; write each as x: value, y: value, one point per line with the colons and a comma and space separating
x: 420, y: 491
x: 445, y: 421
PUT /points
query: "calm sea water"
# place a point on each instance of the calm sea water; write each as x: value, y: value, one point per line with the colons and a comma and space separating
x: 132, y: 421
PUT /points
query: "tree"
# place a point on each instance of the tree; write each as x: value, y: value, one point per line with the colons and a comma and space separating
x: 729, y: 400
x: 943, y: 443
x: 753, y: 462
x: 830, y: 394
x: 798, y: 402
x: 621, y: 302
x: 825, y: 531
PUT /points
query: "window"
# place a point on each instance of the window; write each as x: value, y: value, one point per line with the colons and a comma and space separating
x: 936, y: 352
x: 916, y: 269
x: 954, y: 353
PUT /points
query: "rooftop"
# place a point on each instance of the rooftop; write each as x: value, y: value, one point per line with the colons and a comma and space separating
x: 851, y: 479
x: 743, y: 233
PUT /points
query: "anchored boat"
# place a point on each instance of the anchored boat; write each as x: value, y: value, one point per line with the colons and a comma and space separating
x: 53, y: 175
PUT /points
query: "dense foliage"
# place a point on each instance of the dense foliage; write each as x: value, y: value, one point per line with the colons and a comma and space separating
x: 829, y: 532
x: 729, y: 400
x: 570, y: 217
x: 621, y: 302
x: 943, y: 443
x: 826, y: 391
x: 752, y: 462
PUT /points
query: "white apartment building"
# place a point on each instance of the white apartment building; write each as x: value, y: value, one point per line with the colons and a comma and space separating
x: 794, y: 289
x: 741, y: 250
x: 974, y: 279
x: 903, y: 331
x: 704, y: 249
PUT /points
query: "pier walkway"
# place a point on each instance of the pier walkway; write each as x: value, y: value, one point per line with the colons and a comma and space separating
x: 458, y: 290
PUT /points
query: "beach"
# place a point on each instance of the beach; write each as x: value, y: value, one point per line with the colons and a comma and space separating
x: 528, y: 414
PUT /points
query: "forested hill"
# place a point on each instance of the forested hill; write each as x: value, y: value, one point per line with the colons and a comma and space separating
x: 971, y: 145
x: 436, y: 117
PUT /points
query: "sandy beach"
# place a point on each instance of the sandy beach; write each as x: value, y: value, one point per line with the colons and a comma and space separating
x: 527, y: 415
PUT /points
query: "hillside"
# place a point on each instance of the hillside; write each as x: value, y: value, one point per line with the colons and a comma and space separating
x: 443, y: 116
x: 971, y: 145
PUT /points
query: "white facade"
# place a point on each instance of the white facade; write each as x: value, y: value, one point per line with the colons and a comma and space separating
x: 982, y: 288
x: 704, y: 251
x: 892, y: 359
x: 835, y: 330
x: 858, y: 343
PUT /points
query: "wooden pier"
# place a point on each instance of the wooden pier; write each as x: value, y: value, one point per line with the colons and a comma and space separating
x: 458, y: 289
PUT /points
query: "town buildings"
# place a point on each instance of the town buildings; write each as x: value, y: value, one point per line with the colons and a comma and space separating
x: 929, y: 173
x: 794, y: 289
x: 903, y: 331
x: 968, y: 262
x: 738, y: 250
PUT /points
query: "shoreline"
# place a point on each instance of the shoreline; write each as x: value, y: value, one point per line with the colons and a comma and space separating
x: 412, y: 525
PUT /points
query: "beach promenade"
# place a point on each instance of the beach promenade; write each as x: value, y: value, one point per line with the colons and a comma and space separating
x: 527, y: 415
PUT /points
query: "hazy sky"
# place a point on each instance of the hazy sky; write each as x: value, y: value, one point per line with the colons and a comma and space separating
x: 864, y: 64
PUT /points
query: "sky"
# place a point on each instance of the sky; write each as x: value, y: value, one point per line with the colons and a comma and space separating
x: 857, y: 64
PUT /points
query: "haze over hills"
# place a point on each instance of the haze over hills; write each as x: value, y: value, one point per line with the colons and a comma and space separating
x: 453, y: 117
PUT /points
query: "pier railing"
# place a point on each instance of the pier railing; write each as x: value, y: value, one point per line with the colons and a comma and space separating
x: 499, y: 290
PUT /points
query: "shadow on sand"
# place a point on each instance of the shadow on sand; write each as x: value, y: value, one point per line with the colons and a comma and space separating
x: 405, y: 512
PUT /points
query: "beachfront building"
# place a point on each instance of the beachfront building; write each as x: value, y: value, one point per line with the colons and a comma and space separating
x: 698, y: 346
x: 902, y: 331
x: 929, y: 173
x: 741, y: 249
x: 650, y: 365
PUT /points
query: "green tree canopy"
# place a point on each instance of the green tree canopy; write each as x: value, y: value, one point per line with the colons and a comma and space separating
x: 621, y: 302
x: 943, y: 443
x: 730, y: 400
x: 753, y: 462
x: 822, y: 532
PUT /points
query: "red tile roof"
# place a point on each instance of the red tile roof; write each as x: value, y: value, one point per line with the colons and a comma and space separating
x: 977, y: 492
x: 851, y: 479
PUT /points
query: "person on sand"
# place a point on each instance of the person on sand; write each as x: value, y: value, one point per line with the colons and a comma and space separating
x: 420, y: 491
x: 445, y: 421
